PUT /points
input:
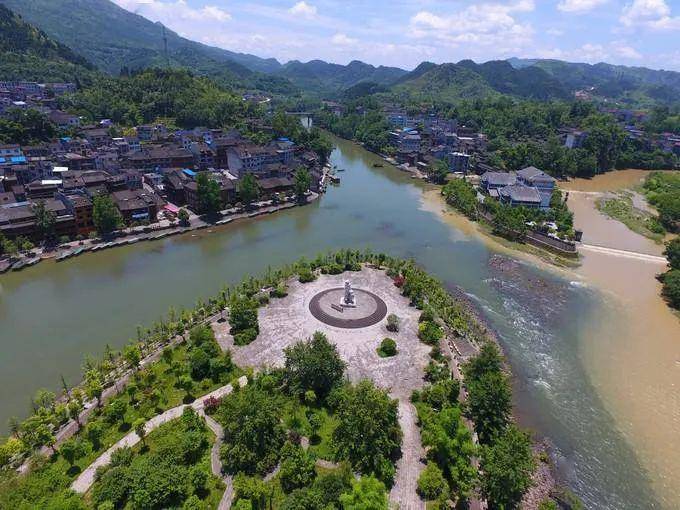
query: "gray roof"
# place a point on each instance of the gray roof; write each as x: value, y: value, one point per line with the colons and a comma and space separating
x: 499, y: 178
x: 531, y: 173
x: 519, y: 193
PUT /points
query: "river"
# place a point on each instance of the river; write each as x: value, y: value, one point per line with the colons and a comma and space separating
x: 51, y: 315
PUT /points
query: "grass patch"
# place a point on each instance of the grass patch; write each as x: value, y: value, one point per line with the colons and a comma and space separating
x: 621, y: 208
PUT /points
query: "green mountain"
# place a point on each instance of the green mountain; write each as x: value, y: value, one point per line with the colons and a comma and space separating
x: 114, y: 39
x: 445, y: 82
x: 27, y: 53
x: 634, y: 85
x: 329, y: 79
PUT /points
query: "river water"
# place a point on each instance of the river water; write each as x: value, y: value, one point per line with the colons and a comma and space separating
x: 53, y: 314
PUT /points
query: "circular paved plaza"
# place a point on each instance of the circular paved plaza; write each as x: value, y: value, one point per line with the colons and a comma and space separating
x: 369, y: 310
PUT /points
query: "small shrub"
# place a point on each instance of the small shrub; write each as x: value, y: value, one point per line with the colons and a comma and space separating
x: 280, y: 291
x: 306, y: 275
x: 393, y: 323
x: 246, y: 336
x: 388, y: 347
x: 332, y: 268
x: 211, y: 404
x: 262, y: 298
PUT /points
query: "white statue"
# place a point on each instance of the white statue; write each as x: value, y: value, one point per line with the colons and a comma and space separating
x: 348, y: 300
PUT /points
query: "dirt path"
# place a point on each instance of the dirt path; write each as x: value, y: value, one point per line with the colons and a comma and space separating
x: 83, y: 483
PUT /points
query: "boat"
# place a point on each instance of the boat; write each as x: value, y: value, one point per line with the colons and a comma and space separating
x: 62, y: 256
x: 341, y: 169
x: 78, y: 251
x: 33, y: 261
x: 378, y: 165
x: 18, y: 266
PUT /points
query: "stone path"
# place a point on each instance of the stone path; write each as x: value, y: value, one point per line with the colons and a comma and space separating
x: 85, y: 480
x: 410, y: 464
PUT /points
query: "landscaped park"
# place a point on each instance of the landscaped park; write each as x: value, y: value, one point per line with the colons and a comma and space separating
x: 353, y: 381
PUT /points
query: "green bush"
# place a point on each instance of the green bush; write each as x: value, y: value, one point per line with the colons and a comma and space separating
x: 430, y: 332
x: 671, y: 287
x: 388, y: 347
x: 431, y: 483
x: 306, y: 275
x: 332, y: 268
x: 245, y: 337
x: 280, y: 291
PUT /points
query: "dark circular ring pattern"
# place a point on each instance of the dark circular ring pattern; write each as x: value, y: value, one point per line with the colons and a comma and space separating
x: 363, y: 322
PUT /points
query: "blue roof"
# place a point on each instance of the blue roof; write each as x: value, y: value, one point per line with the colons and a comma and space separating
x: 190, y: 173
x: 284, y: 139
x: 2, y: 160
x: 18, y: 159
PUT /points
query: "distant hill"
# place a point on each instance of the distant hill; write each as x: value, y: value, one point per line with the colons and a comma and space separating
x: 113, y: 39
x: 636, y: 85
x: 325, y: 78
x: 445, y: 82
x: 27, y: 53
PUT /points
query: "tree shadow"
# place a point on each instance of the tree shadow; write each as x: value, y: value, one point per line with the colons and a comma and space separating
x: 124, y: 427
x: 74, y: 470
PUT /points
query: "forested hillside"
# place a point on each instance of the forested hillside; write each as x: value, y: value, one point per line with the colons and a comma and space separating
x: 27, y: 53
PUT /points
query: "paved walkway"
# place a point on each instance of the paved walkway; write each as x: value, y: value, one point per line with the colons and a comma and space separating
x: 410, y: 465
x: 83, y: 483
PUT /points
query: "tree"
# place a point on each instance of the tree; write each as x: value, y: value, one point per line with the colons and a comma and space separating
x: 140, y: 429
x: 45, y: 221
x: 450, y: 445
x: 132, y: 355
x: 302, y: 181
x: 313, y: 365
x: 489, y: 359
x: 105, y: 215
x: 183, y: 217
x: 248, y: 189
x: 439, y: 172
x: 71, y: 450
x: 605, y: 140
x: 367, y: 493
x: 297, y: 468
x: 490, y: 403
x: 75, y: 407
x: 94, y: 388
x: 368, y: 433
x: 242, y: 313
x: 506, y: 468
x: 94, y: 433
x: 460, y: 194
x: 671, y: 287
x: 115, y: 411
x: 253, y: 433
x: 209, y: 197
x: 672, y: 253
x: 431, y: 482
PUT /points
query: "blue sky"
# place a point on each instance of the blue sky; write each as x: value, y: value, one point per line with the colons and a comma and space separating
x: 404, y: 33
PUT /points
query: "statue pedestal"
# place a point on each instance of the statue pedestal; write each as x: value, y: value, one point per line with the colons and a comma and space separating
x: 348, y: 300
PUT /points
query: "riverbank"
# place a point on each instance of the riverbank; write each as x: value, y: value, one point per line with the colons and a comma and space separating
x: 151, y: 233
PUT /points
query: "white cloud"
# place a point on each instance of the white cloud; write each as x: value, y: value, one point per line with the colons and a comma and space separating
x: 170, y: 12
x: 579, y: 5
x: 343, y: 40
x: 303, y: 9
x: 485, y: 24
x: 627, y: 52
x: 653, y: 14
x: 554, y: 31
